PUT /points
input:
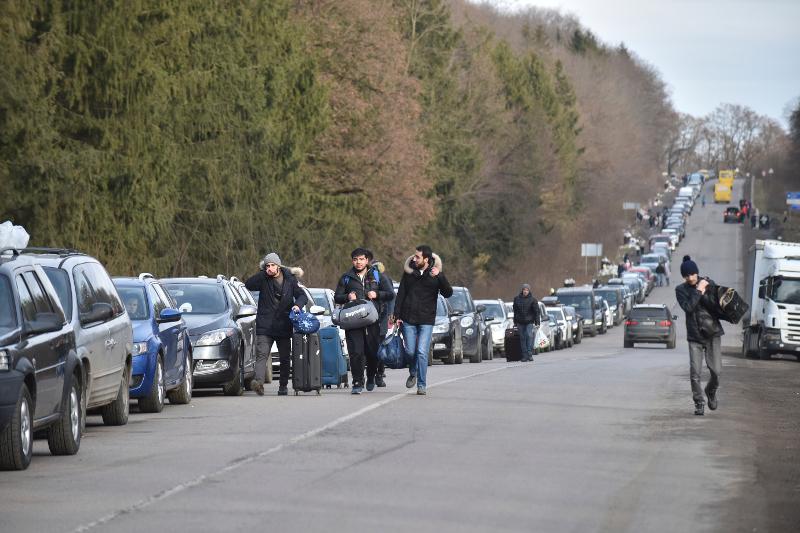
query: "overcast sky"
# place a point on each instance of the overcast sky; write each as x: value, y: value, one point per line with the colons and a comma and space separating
x: 708, y: 51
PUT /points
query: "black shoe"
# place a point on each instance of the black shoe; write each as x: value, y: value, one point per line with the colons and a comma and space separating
x: 698, y: 409
x: 283, y: 391
x: 712, y: 399
x: 370, y: 384
x: 411, y: 381
x: 379, y: 382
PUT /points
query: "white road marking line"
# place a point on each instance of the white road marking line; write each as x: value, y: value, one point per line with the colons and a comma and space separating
x: 163, y: 495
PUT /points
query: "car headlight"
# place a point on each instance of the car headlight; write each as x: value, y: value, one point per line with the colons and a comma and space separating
x: 440, y: 328
x: 5, y: 360
x: 467, y: 321
x: 139, y: 348
x: 214, y: 337
x: 587, y: 321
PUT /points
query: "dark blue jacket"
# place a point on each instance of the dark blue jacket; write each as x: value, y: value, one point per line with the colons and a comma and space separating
x: 274, y: 320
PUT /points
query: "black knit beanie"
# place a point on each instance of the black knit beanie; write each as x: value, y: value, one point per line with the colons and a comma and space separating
x: 688, y: 267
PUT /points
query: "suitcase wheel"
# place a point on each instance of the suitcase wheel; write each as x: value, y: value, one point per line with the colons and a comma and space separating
x: 319, y: 392
x: 296, y: 393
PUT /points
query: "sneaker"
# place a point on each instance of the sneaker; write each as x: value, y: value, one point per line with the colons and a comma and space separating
x: 411, y: 381
x: 370, y: 384
x: 698, y: 409
x: 379, y: 382
x: 712, y: 399
x: 356, y: 390
x: 282, y: 391
x: 257, y: 387
x: 421, y: 391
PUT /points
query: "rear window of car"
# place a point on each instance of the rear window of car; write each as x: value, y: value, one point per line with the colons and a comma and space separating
x: 732, y: 210
x: 611, y: 296
x: 198, y: 298
x: 60, y: 281
x: 8, y: 314
x: 645, y: 313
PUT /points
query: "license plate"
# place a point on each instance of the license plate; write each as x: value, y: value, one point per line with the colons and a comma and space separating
x: 439, y: 346
x: 647, y: 323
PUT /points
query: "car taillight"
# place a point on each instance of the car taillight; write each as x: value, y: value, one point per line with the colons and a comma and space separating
x: 631, y: 323
x: 665, y: 323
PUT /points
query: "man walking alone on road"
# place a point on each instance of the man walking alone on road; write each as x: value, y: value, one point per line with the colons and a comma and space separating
x: 415, y: 307
x: 526, y: 314
x: 278, y: 293
x: 362, y: 283
x: 703, y: 331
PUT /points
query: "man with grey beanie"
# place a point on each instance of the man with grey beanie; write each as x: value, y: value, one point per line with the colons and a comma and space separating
x: 526, y: 314
x: 278, y: 293
x: 703, y: 331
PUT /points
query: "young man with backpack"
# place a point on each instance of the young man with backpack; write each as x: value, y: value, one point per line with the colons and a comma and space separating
x: 415, y: 309
x: 362, y: 283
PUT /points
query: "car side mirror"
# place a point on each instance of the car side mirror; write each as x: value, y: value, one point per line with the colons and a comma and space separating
x: 169, y: 315
x: 316, y: 310
x: 100, y: 312
x: 43, y: 323
x: 480, y: 308
x: 246, y: 311
x: 762, y: 292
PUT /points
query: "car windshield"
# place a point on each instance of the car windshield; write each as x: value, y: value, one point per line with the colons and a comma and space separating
x: 493, y: 310
x: 321, y: 300
x: 134, y: 300
x: 786, y: 291
x: 609, y: 295
x: 460, y: 302
x: 650, y: 258
x: 555, y: 315
x: 582, y: 302
x: 649, y: 313
x: 198, y: 298
x: 732, y: 210
x: 441, y: 307
x: 8, y: 315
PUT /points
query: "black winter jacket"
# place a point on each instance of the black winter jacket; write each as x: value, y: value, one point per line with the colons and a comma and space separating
x: 418, y: 293
x: 350, y: 282
x: 526, y: 310
x: 701, y: 322
x: 272, y: 320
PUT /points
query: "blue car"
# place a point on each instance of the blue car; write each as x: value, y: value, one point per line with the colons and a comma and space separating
x: 162, y: 353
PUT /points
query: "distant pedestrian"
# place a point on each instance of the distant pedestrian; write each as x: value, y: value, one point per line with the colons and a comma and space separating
x: 278, y: 293
x: 361, y: 282
x: 415, y: 309
x: 620, y: 269
x: 526, y: 316
x: 661, y: 275
x: 703, y: 332
x: 703, y: 202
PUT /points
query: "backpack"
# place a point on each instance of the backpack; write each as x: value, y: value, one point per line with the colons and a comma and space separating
x: 375, y: 274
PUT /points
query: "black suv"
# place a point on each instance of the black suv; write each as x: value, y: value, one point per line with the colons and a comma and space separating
x: 40, y: 374
x: 473, y: 326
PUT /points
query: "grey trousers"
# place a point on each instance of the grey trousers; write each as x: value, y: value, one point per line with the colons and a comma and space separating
x: 264, y: 357
x: 711, y: 350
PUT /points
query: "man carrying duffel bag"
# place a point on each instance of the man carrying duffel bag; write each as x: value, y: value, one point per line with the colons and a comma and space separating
x: 362, y: 283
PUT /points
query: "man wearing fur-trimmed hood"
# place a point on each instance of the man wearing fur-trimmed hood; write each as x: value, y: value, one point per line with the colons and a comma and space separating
x: 415, y: 309
x: 278, y: 293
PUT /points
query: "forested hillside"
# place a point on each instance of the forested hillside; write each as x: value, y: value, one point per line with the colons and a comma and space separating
x: 190, y: 137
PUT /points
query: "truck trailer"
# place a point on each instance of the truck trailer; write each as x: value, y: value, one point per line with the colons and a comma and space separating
x: 773, y: 292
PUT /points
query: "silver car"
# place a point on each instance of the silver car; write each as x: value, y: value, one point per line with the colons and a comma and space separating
x: 565, y: 337
x: 497, y: 320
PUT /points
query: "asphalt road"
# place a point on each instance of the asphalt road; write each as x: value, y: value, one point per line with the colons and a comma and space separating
x: 596, y: 438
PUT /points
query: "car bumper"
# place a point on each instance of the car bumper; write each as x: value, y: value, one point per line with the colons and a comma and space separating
x: 142, y: 374
x: 649, y: 335
x: 441, y: 343
x: 10, y: 384
x: 214, y: 364
x: 470, y: 343
x: 773, y: 344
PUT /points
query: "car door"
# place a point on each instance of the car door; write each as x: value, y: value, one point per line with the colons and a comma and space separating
x: 46, y: 351
x: 91, y: 337
x: 247, y: 325
x: 170, y: 334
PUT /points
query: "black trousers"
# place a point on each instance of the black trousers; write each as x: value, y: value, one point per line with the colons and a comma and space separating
x: 363, y: 346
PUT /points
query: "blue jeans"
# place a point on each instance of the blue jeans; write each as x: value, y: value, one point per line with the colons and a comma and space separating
x: 526, y: 340
x: 418, y: 342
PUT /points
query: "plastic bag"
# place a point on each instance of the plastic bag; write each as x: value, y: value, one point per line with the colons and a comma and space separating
x: 12, y: 236
x: 392, y: 351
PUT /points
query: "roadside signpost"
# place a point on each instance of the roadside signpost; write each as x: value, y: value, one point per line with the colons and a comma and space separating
x: 591, y: 249
x: 793, y: 200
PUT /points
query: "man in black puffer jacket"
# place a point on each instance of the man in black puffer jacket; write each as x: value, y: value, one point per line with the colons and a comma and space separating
x: 278, y: 293
x: 526, y: 314
x: 703, y: 331
x: 415, y: 309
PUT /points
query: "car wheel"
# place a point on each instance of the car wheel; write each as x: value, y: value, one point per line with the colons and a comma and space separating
x: 460, y: 354
x: 477, y: 356
x: 579, y: 336
x: 671, y: 344
x: 762, y: 353
x: 628, y: 344
x: 16, y: 439
x: 450, y: 358
x: 64, y: 437
x: 235, y: 387
x: 154, y: 401
x: 183, y: 394
x: 116, y: 413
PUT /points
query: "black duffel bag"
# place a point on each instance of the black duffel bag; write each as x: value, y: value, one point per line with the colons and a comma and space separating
x: 729, y: 305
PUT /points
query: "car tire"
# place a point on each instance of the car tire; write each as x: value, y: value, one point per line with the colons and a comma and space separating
x: 116, y: 413
x: 671, y: 344
x: 627, y: 344
x: 460, y: 355
x: 16, y: 439
x: 64, y: 437
x: 235, y: 387
x: 183, y: 394
x: 154, y: 401
x: 579, y: 336
x: 450, y: 358
x: 477, y: 356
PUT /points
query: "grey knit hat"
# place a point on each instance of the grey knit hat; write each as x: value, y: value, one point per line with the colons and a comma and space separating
x: 271, y: 257
x: 525, y: 286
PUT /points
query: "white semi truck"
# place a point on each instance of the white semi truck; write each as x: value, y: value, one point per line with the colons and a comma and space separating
x: 773, y: 292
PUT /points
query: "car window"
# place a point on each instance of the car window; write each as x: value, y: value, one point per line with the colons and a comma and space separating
x: 198, y: 298
x: 84, y: 294
x: 8, y: 314
x: 652, y: 313
x: 60, y: 281
x: 25, y: 300
x: 321, y: 299
x: 441, y: 307
x: 104, y: 290
x: 164, y: 296
x: 135, y: 302
x: 40, y: 299
x: 582, y: 302
x: 461, y: 301
x: 611, y: 296
x: 494, y: 310
x: 245, y: 295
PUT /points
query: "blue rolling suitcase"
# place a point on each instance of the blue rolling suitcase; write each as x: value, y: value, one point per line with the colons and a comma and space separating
x: 334, y: 366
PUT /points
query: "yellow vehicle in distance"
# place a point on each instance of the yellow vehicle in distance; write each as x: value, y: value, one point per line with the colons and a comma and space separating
x: 722, y: 193
x: 726, y: 177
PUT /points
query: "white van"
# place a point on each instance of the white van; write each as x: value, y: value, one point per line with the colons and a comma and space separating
x: 688, y: 192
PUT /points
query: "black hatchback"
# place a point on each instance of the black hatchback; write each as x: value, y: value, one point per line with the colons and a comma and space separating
x: 651, y: 323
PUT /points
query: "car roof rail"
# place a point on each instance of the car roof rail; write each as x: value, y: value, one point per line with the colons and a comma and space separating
x: 144, y: 275
x: 234, y: 279
x: 13, y: 251
x: 221, y: 277
x: 51, y: 250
